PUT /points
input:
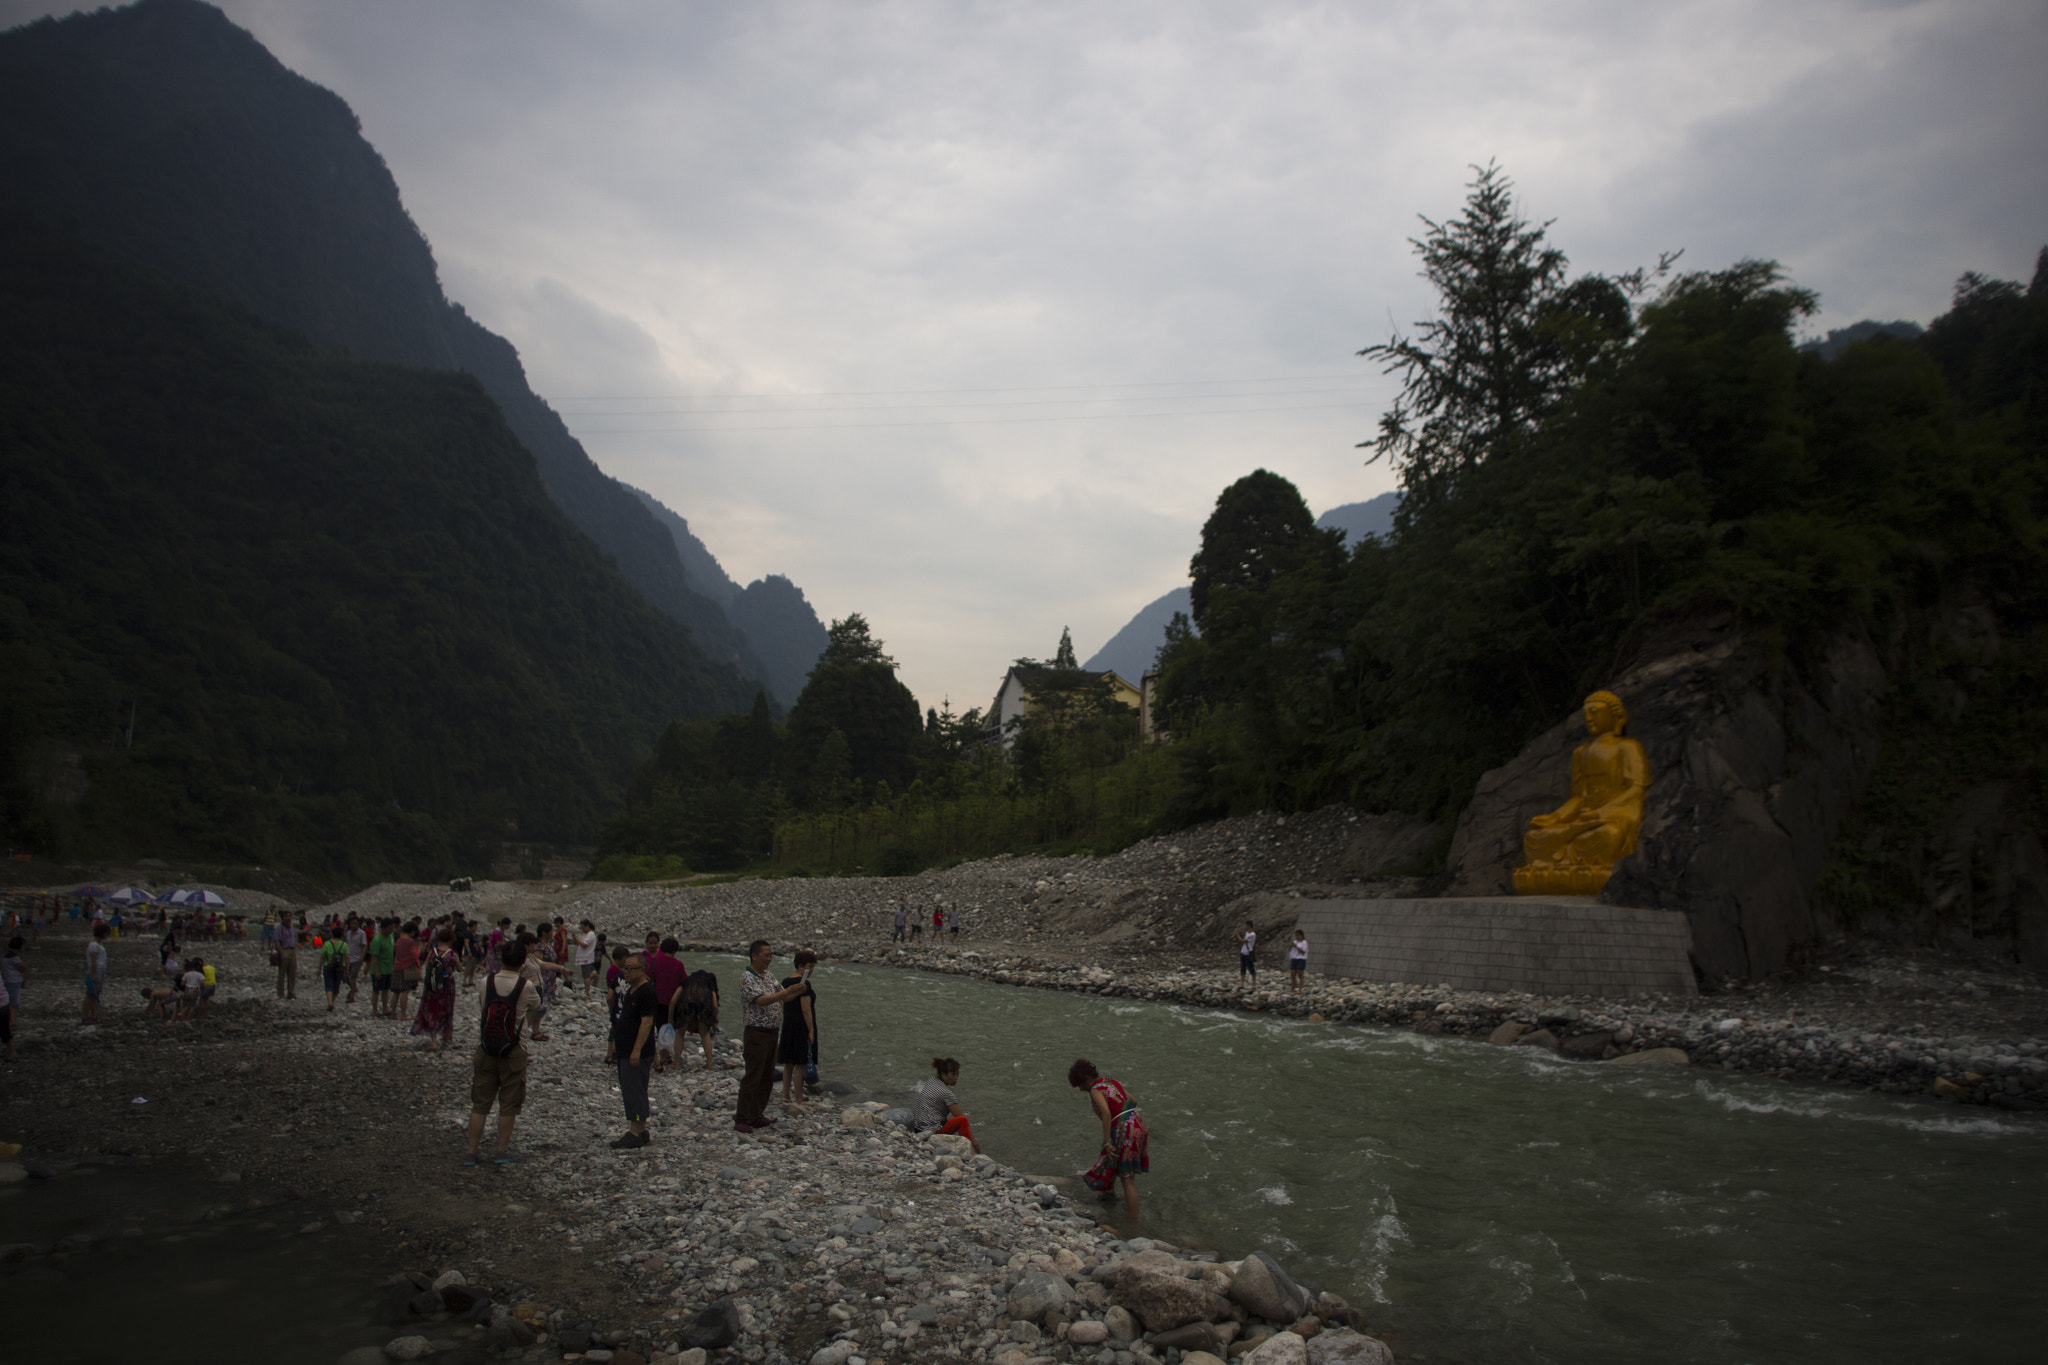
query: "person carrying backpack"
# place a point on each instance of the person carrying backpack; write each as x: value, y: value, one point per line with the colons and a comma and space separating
x: 436, y: 1020
x: 498, y: 1071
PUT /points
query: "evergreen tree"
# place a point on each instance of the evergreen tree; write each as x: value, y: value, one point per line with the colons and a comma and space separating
x: 1509, y: 339
x: 854, y: 691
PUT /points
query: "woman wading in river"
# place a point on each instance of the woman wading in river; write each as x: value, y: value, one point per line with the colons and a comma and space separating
x: 1124, y: 1153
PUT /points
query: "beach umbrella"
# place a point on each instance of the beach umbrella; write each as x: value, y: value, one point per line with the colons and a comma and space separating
x: 200, y: 897
x: 129, y: 895
x: 88, y: 891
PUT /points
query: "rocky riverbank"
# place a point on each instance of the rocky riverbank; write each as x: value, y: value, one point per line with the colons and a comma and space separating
x: 834, y: 1236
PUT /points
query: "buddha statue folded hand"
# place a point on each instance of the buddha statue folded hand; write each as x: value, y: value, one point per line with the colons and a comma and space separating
x: 1573, y: 849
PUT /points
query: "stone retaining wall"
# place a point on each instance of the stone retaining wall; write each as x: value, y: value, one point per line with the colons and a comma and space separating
x: 1545, y: 945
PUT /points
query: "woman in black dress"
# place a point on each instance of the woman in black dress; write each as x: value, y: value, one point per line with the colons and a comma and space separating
x: 799, y: 1032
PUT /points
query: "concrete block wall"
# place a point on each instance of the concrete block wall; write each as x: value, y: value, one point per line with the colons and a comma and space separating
x: 1545, y: 945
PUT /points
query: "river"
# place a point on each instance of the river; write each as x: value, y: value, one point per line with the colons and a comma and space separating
x: 1498, y: 1204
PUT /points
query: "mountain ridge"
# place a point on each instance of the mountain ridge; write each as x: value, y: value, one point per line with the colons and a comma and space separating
x: 269, y: 604
x: 173, y: 137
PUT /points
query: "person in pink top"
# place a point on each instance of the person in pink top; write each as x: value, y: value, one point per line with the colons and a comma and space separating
x: 666, y: 970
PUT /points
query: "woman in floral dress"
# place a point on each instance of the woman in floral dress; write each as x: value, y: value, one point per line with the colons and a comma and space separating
x: 1124, y: 1147
x: 436, y: 1018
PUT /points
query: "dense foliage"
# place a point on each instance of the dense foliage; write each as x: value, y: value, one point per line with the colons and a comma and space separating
x: 1612, y: 468
x: 355, y: 635
x: 856, y: 781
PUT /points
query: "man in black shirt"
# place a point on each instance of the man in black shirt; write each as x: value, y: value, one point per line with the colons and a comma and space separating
x: 631, y: 1049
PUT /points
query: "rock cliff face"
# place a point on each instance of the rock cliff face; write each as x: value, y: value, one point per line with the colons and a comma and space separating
x: 1755, y: 765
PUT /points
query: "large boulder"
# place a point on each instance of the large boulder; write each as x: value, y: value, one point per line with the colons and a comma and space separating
x: 1754, y: 765
x: 1342, y: 1346
x: 1267, y: 1290
x: 1037, y: 1293
x: 1282, y: 1348
x: 1148, y: 1262
x: 1194, y: 1336
x: 717, y: 1326
x: 1163, y: 1301
x: 1088, y: 1332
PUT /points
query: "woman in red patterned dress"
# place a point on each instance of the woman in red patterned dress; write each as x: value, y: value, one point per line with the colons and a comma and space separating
x: 436, y: 1018
x: 1124, y: 1147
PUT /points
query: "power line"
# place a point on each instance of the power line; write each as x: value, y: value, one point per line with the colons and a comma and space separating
x: 934, y: 407
x: 882, y: 393
x: 970, y: 421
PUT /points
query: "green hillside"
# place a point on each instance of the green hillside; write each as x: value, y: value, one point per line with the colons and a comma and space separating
x: 172, y: 137
x: 356, y: 636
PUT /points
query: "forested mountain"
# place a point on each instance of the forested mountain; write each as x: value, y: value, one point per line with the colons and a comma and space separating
x: 783, y: 636
x: 784, y: 631
x: 354, y: 634
x: 170, y: 135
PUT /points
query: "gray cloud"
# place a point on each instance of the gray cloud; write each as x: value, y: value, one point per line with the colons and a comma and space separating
x: 701, y: 200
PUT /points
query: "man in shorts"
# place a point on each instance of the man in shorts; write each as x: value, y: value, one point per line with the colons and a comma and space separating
x: 499, y: 1078
x: 383, y: 952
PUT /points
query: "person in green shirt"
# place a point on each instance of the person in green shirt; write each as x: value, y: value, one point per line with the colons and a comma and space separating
x: 333, y: 959
x: 382, y: 949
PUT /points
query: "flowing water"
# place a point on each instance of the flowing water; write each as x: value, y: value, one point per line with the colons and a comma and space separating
x: 1498, y: 1204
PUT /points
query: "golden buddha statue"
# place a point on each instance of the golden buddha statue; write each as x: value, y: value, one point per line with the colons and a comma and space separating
x: 1573, y: 849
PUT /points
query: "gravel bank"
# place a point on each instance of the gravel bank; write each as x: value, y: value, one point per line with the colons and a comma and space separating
x: 834, y: 1236
x: 1154, y: 922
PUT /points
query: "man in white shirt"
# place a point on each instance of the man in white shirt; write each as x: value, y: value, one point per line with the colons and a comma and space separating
x: 586, y: 953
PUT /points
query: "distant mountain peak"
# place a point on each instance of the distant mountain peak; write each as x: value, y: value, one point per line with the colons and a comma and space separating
x: 1131, y: 651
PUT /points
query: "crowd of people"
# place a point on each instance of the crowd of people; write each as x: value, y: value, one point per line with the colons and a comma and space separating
x: 36, y: 911
x: 660, y: 1012
x: 657, y: 1008
x: 909, y: 921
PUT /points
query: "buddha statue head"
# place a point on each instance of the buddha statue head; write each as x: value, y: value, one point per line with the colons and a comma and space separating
x: 1604, y: 713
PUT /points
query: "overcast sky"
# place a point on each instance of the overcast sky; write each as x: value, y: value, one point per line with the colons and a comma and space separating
x: 960, y: 315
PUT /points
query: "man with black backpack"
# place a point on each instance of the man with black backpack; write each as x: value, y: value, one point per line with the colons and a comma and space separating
x: 499, y: 1069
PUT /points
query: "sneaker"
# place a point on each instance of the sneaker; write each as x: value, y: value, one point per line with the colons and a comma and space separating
x: 743, y: 1127
x: 627, y: 1141
x: 767, y: 1123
